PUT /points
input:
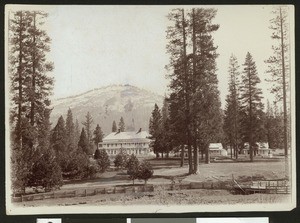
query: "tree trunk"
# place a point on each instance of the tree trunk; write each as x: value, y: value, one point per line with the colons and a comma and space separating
x: 187, y: 100
x: 157, y: 155
x: 196, y: 152
x: 32, y: 101
x: 283, y: 87
x: 182, y: 157
x: 20, y: 89
x: 196, y: 159
x: 207, y: 155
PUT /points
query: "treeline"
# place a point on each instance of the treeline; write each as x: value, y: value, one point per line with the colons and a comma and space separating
x: 41, y: 156
x: 191, y: 116
x: 30, y: 85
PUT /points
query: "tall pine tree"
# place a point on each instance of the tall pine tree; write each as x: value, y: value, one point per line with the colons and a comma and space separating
x: 114, y: 126
x: 70, y: 131
x: 83, y: 144
x: 98, y: 135
x: 251, y: 105
x: 88, y: 130
x: 58, y: 143
x: 31, y: 86
x: 122, y: 125
x: 232, y: 108
x: 278, y: 64
x: 155, y: 129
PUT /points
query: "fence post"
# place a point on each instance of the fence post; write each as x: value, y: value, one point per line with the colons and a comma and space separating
x: 21, y: 198
x: 85, y: 192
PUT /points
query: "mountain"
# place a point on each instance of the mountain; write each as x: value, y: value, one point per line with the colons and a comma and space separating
x: 109, y: 103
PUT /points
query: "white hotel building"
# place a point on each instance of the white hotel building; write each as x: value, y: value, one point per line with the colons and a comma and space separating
x: 137, y: 143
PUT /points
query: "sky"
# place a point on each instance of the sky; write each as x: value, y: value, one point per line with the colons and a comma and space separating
x: 95, y: 46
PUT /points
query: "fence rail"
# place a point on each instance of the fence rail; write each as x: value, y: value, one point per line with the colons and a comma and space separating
x: 256, y: 187
x: 118, y: 190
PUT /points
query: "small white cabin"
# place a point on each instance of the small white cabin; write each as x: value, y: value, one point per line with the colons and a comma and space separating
x: 216, y: 149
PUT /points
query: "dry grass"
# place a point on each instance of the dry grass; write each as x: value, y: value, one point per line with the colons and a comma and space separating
x: 164, y: 172
x: 162, y: 197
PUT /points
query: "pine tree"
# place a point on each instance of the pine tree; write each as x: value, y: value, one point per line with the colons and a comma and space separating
x: 179, y: 72
x: 97, y: 154
x: 114, y: 126
x: 278, y: 64
x: 177, y: 124
x: 88, y: 129
x: 59, y: 144
x: 39, y: 68
x: 46, y: 172
x: 70, y: 131
x: 88, y: 126
x: 98, y: 135
x: 232, y: 107
x: 155, y: 130
x: 103, y: 161
x: 77, y: 132
x: 122, y: 125
x: 251, y: 105
x: 83, y: 143
x: 145, y: 171
x: 133, y: 168
x: 166, y: 143
x: 18, y: 66
x: 194, y: 84
x: 205, y: 108
x: 31, y: 86
x: 121, y: 159
x: 274, y: 127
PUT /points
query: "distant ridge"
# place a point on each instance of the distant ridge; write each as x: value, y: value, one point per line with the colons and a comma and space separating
x: 109, y: 103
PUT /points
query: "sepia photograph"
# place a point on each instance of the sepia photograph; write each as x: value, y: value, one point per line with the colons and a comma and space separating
x: 149, y: 109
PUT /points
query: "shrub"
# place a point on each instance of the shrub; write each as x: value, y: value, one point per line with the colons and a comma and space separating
x: 103, y: 161
x: 133, y: 168
x: 46, y: 172
x: 97, y: 154
x: 121, y: 160
x: 145, y: 171
x: 91, y: 170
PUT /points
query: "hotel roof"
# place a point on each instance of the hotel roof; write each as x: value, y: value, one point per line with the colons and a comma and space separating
x: 127, y: 135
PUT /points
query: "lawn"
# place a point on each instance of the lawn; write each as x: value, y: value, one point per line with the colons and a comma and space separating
x: 164, y: 172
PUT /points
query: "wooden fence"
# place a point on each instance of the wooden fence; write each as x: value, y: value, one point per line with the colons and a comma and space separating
x: 265, y: 186
x: 119, y: 190
x: 256, y: 187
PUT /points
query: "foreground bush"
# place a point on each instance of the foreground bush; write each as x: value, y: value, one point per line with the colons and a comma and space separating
x: 133, y: 168
x: 121, y: 160
x: 145, y: 171
x: 103, y: 161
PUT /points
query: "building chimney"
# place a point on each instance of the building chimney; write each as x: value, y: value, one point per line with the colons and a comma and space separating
x: 139, y: 131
